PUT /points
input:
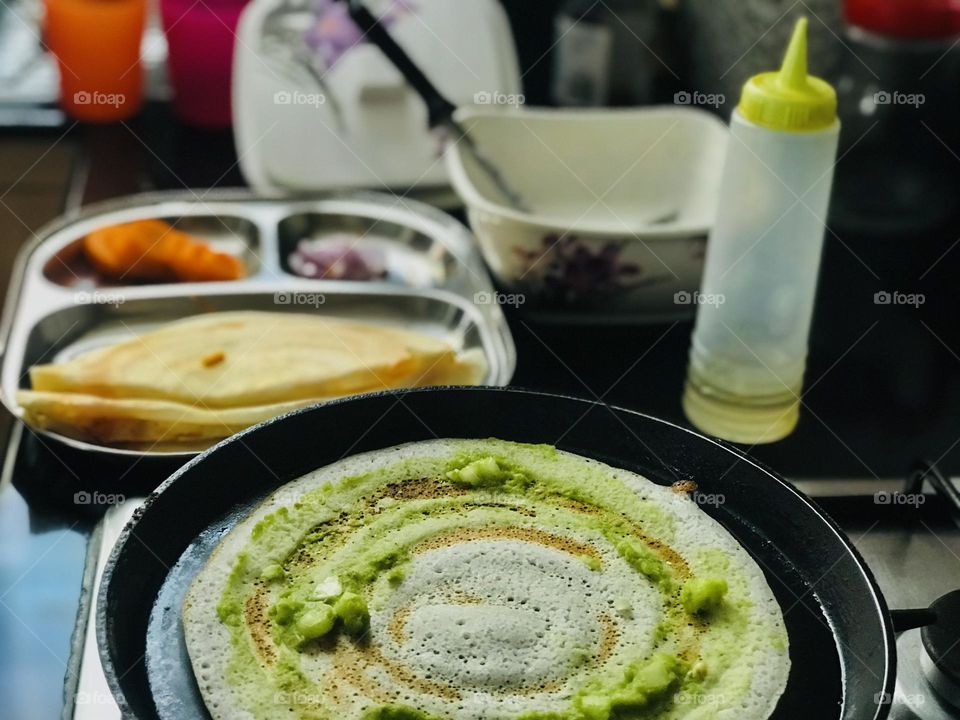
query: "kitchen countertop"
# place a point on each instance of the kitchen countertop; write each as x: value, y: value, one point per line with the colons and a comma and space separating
x: 883, y: 381
x: 883, y: 390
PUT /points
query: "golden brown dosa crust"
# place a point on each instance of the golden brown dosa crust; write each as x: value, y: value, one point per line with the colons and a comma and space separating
x: 210, y: 376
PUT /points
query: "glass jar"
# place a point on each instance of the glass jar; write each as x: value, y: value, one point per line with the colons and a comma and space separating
x: 899, y: 168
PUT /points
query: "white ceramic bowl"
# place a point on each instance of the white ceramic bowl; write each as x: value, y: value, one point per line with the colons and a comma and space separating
x: 620, y: 205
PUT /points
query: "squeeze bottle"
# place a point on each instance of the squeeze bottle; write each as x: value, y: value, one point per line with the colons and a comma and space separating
x: 749, y: 345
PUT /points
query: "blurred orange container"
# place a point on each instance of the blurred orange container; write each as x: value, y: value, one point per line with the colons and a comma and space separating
x: 97, y: 45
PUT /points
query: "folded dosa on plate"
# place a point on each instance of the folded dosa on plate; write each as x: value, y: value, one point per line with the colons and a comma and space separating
x: 483, y: 580
x: 206, y: 377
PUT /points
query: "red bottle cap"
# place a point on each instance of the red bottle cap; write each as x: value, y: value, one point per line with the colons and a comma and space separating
x: 921, y: 19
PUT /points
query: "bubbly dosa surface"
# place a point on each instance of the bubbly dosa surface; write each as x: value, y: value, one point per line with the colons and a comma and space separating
x: 501, y: 580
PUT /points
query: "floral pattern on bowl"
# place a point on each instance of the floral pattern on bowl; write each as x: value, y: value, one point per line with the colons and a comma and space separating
x: 578, y: 273
x: 593, y: 277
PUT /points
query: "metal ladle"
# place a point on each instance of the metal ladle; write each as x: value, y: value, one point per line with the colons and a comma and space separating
x: 440, y: 111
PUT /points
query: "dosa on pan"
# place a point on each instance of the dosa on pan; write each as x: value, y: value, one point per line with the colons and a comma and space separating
x: 209, y: 376
x: 474, y: 580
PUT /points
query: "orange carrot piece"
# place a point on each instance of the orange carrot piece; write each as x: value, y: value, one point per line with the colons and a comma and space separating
x: 195, y: 261
x: 153, y: 250
x: 123, y: 251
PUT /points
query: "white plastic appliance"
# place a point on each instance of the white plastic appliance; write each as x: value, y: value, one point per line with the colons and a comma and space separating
x: 357, y: 124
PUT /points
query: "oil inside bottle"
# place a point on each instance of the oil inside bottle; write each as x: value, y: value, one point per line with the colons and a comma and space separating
x: 740, y: 418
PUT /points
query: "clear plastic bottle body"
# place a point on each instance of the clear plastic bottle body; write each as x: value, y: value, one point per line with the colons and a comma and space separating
x: 749, y: 346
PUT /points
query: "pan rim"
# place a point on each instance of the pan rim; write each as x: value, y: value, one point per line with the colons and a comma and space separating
x: 877, y: 600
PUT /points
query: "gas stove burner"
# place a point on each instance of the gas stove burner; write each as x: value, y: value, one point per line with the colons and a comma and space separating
x: 940, y: 660
x: 928, y: 666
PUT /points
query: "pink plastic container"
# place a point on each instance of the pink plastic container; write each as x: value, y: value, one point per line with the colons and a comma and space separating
x: 201, y: 39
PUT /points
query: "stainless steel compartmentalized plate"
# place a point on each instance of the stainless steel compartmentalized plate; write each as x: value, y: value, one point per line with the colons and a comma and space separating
x: 434, y: 278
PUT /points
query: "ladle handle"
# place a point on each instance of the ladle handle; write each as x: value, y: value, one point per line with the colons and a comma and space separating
x: 439, y: 109
x: 904, y: 620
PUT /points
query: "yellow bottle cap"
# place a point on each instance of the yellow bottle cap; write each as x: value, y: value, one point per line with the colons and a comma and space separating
x: 789, y: 99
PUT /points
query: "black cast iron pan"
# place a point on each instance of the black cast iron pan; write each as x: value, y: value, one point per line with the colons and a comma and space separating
x: 841, y: 636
